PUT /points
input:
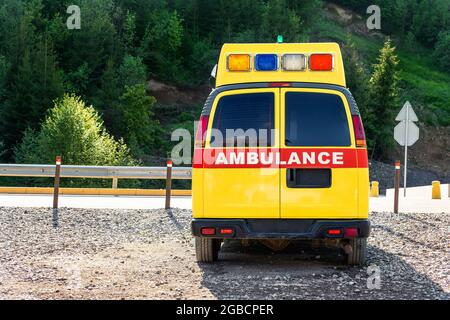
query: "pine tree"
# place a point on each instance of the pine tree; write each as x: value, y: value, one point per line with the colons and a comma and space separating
x: 37, y: 83
x: 278, y: 19
x: 358, y: 83
x: 137, y: 121
x: 129, y: 32
x: 384, y: 98
x: 442, y: 50
x: 161, y: 43
x: 107, y: 96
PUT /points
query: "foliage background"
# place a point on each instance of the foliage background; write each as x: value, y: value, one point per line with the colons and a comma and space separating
x: 123, y: 44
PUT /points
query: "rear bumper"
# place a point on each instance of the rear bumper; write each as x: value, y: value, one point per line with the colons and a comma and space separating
x: 279, y: 228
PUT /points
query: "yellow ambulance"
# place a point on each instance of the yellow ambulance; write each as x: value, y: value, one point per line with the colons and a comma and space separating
x: 280, y: 151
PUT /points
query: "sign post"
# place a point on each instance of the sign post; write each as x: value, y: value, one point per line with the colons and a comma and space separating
x: 406, y: 133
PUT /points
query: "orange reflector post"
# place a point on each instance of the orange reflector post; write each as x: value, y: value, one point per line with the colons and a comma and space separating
x: 321, y: 62
x: 238, y: 62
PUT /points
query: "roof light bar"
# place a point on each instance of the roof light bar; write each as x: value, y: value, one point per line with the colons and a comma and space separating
x: 238, y: 62
x: 321, y: 62
x: 293, y: 62
x: 266, y: 62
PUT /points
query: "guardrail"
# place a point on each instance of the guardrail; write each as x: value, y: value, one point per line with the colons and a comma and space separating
x: 96, y: 172
x: 93, y: 172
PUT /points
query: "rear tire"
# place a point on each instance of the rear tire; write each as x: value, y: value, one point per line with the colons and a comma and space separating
x: 358, y: 253
x: 207, y: 249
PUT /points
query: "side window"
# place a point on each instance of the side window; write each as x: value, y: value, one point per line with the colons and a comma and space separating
x: 244, y: 120
x: 315, y: 119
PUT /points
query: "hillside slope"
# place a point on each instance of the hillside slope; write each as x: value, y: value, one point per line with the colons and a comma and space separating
x: 421, y: 82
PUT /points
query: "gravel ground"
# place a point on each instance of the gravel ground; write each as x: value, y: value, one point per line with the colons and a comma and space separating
x: 132, y: 254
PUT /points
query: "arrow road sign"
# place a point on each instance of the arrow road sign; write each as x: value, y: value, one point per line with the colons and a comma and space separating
x: 407, y: 110
x: 406, y: 133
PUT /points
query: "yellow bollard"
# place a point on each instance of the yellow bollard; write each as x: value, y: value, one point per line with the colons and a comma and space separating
x: 374, y: 191
x: 436, y: 190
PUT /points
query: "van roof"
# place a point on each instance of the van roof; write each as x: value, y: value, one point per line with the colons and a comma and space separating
x: 225, y: 77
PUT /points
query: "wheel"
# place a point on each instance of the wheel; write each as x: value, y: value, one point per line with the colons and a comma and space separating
x: 356, y: 251
x: 207, y: 249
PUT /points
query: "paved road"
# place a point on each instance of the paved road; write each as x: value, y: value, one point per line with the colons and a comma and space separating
x: 418, y: 200
x: 94, y: 202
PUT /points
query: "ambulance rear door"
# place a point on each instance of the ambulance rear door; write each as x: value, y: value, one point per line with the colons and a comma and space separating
x: 236, y: 183
x: 319, y: 175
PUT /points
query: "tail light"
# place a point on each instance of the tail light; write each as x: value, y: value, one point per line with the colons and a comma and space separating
x: 334, y: 232
x: 360, y: 137
x: 226, y: 231
x: 351, y: 232
x: 208, y: 231
x: 200, y: 136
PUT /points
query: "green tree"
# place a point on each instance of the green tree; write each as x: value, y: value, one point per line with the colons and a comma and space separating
x: 309, y: 11
x: 442, y: 50
x: 431, y: 16
x: 75, y: 132
x: 11, y: 14
x: 132, y: 71
x: 95, y: 43
x: 4, y: 69
x: 202, y: 60
x: 140, y: 129
x: 278, y: 19
x: 36, y: 83
x: 77, y: 80
x: 358, y: 83
x: 161, y: 43
x: 129, y: 32
x: 107, y: 96
x: 384, y: 98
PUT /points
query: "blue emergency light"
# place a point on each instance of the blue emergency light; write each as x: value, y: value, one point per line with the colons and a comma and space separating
x: 266, y: 62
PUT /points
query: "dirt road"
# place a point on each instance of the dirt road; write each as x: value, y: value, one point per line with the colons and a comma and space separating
x: 133, y: 254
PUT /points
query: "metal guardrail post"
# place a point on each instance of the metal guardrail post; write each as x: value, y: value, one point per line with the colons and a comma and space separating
x: 168, y: 183
x: 56, y: 190
x: 396, y: 185
x: 56, y: 185
x: 115, y: 182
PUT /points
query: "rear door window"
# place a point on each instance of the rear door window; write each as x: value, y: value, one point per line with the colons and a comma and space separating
x: 250, y: 116
x: 315, y: 119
